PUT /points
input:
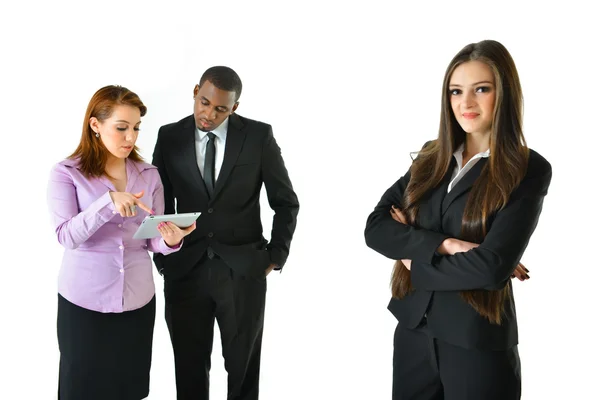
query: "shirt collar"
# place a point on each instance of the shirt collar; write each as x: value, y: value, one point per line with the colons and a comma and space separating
x: 220, y: 131
x: 458, y: 154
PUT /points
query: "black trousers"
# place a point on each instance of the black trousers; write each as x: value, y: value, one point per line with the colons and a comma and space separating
x: 104, y: 355
x: 428, y: 369
x: 213, y: 290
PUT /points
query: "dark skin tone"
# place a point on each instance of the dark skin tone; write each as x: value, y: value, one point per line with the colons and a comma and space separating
x: 211, y: 107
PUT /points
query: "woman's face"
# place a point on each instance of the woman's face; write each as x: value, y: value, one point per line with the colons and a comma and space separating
x: 119, y: 132
x: 473, y: 96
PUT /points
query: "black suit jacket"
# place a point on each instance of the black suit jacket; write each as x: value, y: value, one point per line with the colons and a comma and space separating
x: 439, y: 279
x: 230, y: 223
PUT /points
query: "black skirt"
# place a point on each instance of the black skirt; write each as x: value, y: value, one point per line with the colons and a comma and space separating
x: 104, y: 355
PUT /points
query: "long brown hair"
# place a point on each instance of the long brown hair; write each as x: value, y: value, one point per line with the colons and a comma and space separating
x: 503, y: 172
x: 91, y: 152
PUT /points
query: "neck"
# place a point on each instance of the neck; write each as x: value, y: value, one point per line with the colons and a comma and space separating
x: 477, y: 142
x: 114, y: 164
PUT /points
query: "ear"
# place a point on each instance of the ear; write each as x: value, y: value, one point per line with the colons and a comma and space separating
x: 196, y: 90
x: 235, y: 106
x: 95, y: 124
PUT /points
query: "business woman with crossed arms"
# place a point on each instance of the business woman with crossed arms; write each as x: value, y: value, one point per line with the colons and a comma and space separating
x: 458, y: 223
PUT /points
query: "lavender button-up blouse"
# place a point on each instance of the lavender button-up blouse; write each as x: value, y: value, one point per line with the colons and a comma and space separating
x: 103, y: 268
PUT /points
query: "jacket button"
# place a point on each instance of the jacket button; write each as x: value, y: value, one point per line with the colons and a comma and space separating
x: 210, y: 210
x: 210, y: 234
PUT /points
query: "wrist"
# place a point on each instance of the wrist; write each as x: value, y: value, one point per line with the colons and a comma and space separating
x: 446, y: 247
x: 173, y: 246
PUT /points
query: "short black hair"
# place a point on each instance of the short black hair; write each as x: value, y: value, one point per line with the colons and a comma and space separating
x: 223, y: 78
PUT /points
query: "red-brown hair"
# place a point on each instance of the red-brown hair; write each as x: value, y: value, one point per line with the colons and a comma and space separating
x: 91, y: 152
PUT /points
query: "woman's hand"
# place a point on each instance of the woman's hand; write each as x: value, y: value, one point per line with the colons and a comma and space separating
x: 521, y: 273
x: 126, y: 203
x: 172, y: 234
x: 398, y: 215
x: 452, y: 246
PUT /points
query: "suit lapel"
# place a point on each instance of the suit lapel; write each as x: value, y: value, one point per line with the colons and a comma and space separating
x: 188, y: 153
x: 233, y: 146
x: 464, y: 184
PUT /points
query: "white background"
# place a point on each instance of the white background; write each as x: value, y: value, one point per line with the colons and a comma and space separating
x: 350, y: 89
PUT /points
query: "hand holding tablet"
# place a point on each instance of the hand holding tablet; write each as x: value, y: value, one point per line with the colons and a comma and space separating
x: 149, y: 226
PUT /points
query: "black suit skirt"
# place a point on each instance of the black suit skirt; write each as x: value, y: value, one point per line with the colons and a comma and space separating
x: 104, y: 355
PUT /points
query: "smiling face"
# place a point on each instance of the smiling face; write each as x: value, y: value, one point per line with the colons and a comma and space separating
x: 212, y: 106
x: 119, y: 132
x: 473, y: 96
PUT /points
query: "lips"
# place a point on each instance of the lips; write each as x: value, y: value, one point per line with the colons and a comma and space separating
x: 470, y: 115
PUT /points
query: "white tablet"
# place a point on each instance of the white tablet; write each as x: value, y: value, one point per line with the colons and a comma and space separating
x: 149, y: 227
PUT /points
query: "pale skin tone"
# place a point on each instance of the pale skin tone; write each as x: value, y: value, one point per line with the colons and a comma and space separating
x: 472, y: 98
x: 119, y: 134
x: 211, y: 107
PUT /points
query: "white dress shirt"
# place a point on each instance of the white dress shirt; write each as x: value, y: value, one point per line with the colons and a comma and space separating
x: 220, y: 140
x: 459, y: 172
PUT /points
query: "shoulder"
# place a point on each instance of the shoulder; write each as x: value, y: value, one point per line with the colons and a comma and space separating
x: 538, y: 166
x: 148, y: 173
x: 255, y: 127
x: 538, y: 176
x: 176, y: 126
x: 146, y: 170
x: 67, y: 171
x: 68, y: 163
x: 66, y: 166
x: 425, y: 149
x: 144, y: 166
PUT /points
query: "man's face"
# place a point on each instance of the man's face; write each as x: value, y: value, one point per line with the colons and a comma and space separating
x: 212, y: 105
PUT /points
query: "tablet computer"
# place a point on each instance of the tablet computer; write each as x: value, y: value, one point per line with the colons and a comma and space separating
x: 149, y: 226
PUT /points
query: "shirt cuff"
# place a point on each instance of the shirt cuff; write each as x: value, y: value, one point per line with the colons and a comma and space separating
x: 166, y: 249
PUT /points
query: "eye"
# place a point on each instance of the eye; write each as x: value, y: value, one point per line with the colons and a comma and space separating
x: 137, y: 129
x: 455, y: 92
x: 119, y: 128
x: 221, y: 110
x: 204, y: 102
x: 482, y: 89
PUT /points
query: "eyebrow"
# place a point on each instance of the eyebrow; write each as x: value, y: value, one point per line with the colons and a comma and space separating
x: 475, y: 84
x: 122, y: 120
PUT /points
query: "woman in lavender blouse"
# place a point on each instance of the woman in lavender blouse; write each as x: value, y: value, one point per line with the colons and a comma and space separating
x: 106, y: 305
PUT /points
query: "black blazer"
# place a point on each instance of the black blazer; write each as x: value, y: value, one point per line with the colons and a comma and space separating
x: 439, y: 279
x: 230, y: 223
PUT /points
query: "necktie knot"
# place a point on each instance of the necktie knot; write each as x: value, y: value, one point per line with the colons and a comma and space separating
x: 211, y: 136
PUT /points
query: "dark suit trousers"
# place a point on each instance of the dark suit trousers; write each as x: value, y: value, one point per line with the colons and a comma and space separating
x: 213, y: 290
x: 429, y: 369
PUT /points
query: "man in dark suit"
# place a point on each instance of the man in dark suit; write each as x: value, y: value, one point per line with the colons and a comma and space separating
x: 216, y: 162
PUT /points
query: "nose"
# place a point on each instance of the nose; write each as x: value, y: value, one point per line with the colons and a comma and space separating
x: 469, y: 99
x: 211, y: 114
x: 130, y: 135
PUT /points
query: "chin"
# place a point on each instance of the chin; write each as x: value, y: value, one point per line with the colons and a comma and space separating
x: 120, y: 155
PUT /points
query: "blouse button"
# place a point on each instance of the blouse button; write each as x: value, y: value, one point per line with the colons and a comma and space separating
x: 121, y: 247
